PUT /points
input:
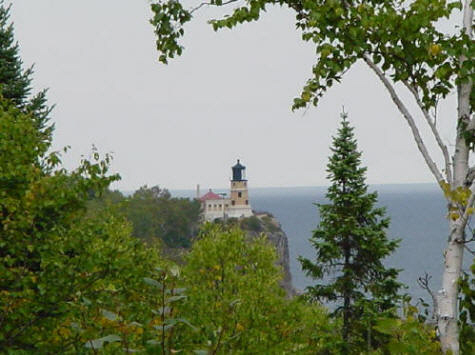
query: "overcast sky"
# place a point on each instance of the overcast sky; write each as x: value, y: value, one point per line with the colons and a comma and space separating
x: 227, y: 97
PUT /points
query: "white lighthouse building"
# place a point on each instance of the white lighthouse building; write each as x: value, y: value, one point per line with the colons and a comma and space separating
x: 236, y: 206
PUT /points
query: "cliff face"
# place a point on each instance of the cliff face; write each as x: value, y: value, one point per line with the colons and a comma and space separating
x: 267, y: 224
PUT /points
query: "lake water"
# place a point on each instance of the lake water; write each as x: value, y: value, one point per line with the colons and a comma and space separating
x: 418, y: 218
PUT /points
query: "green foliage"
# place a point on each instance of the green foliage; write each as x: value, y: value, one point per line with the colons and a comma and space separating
x: 60, y: 267
x: 54, y: 257
x: 236, y: 303
x: 226, y: 299
x: 168, y: 20
x: 106, y: 199
x: 251, y: 223
x: 155, y: 215
x: 155, y: 333
x: 407, y: 335
x: 351, y: 242
x: 114, y: 306
x: 270, y: 224
x: 15, y: 83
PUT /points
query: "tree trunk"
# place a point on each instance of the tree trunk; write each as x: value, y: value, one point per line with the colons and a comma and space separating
x: 346, y: 294
x: 346, y: 318
x: 448, y: 295
x: 346, y: 324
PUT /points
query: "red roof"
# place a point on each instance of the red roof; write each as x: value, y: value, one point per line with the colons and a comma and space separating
x: 210, y: 196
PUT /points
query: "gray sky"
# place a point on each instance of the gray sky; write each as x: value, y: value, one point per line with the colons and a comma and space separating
x: 227, y: 97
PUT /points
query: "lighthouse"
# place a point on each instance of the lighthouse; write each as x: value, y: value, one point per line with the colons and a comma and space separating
x: 239, y: 206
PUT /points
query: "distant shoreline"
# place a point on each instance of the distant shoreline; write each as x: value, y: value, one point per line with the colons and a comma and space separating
x: 416, y: 187
x: 388, y: 188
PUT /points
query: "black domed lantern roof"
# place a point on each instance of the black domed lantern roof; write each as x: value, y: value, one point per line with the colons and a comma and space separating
x: 239, y: 172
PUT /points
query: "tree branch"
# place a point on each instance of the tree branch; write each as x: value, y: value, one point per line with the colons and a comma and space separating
x: 466, y: 241
x: 410, y: 120
x: 469, y: 250
x: 423, y: 282
x: 435, y: 132
x: 470, y: 176
x: 210, y: 4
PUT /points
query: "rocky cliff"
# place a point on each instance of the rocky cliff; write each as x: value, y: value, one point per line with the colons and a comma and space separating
x: 270, y: 226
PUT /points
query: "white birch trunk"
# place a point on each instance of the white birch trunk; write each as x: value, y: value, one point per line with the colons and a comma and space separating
x: 448, y: 295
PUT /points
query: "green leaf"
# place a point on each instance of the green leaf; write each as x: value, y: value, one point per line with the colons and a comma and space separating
x: 179, y: 290
x: 109, y: 315
x: 175, y: 271
x: 99, y: 343
x: 235, y: 302
x: 153, y: 282
x: 162, y: 310
x: 388, y: 326
x: 175, y: 298
x: 165, y: 327
x: 184, y: 321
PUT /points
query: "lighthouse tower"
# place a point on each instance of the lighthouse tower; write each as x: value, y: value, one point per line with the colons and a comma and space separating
x: 239, y: 199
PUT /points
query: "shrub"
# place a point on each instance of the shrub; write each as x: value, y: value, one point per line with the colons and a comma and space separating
x: 252, y: 224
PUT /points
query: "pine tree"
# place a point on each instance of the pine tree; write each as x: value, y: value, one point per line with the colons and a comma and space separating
x: 351, y: 242
x: 15, y: 82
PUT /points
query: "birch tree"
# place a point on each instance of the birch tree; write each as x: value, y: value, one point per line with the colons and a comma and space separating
x: 402, y: 44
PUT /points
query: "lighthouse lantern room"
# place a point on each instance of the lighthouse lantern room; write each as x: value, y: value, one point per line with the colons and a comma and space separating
x: 239, y: 172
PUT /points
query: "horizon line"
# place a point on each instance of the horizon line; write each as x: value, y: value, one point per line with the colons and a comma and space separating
x: 285, y: 187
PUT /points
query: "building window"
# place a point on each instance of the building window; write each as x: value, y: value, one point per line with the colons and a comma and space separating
x: 247, y: 202
x: 233, y: 202
x: 220, y: 206
x: 239, y: 194
x: 209, y: 206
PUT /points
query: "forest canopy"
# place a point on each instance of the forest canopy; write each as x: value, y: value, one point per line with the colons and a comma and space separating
x: 154, y: 214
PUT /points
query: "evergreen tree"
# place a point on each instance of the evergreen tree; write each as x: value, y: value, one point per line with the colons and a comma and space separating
x: 15, y: 82
x: 351, y: 241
